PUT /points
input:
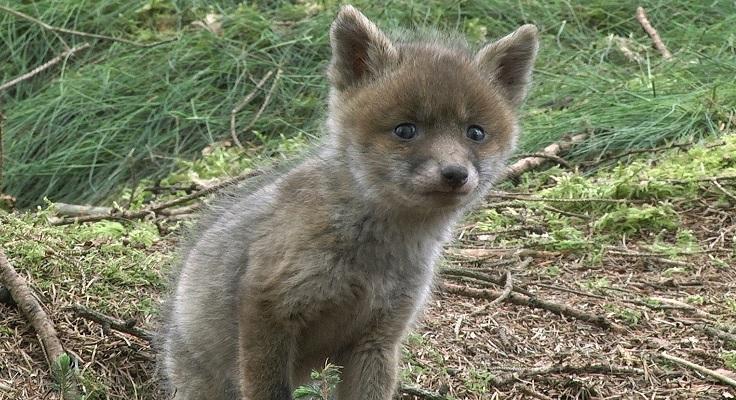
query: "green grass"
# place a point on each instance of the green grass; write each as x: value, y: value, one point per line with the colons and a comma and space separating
x: 115, y: 268
x: 116, y: 113
x: 640, y: 200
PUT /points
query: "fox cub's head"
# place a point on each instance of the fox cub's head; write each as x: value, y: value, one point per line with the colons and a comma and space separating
x: 426, y: 122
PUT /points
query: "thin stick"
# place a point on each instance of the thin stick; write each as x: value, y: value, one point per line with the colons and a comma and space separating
x: 699, y: 368
x: 723, y: 190
x: 157, y: 208
x: 265, y: 102
x: 35, y: 314
x: 77, y: 33
x: 641, y: 16
x: 533, y: 302
x: 242, y: 104
x: 507, y: 288
x: 44, y: 66
x: 112, y: 323
x: 421, y: 393
x: 552, y: 151
x: 522, y: 373
x: 525, y: 197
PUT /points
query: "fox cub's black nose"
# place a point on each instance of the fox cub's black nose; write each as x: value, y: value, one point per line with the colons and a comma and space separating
x: 455, y: 175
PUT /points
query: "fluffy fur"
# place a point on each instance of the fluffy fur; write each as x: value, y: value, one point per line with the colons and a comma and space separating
x: 333, y: 258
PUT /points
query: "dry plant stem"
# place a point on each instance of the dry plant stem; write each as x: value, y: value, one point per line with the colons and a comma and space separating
x: 247, y: 99
x: 723, y: 335
x: 78, y: 210
x: 525, y: 197
x: 526, y: 164
x: 641, y: 16
x: 44, y: 66
x: 533, y: 302
x: 530, y: 392
x: 34, y: 313
x: 111, y: 322
x: 566, y: 369
x: 699, y: 368
x: 551, y: 157
x: 76, y: 33
x: 158, y: 208
x: 266, y: 101
x: 723, y: 190
x: 421, y: 393
x: 507, y: 288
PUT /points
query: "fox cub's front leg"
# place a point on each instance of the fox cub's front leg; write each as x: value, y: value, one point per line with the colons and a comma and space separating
x: 265, y: 351
x: 369, y: 371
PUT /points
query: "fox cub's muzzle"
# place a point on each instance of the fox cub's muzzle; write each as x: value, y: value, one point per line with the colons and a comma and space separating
x: 454, y: 176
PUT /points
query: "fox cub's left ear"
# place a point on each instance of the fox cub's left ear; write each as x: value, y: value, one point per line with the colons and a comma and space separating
x: 359, y: 49
x: 509, y: 62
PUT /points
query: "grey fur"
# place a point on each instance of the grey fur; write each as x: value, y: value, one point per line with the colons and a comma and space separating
x: 333, y: 258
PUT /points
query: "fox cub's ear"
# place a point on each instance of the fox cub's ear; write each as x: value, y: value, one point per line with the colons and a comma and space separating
x: 359, y: 49
x: 509, y: 62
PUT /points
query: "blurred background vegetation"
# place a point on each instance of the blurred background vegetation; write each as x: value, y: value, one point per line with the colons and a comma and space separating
x: 118, y: 112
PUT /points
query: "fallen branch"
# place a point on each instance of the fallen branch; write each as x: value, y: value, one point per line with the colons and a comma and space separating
x: 77, y: 33
x: 527, y: 197
x: 727, y: 337
x: 31, y: 308
x: 421, y: 393
x: 508, y: 287
x: 451, y: 272
x: 552, y: 151
x: 723, y: 190
x: 242, y: 104
x: 533, y: 302
x: 641, y: 16
x: 551, y: 157
x: 156, y: 208
x: 108, y: 322
x: 699, y: 368
x: 66, y: 54
x: 78, y: 210
x: 521, y: 373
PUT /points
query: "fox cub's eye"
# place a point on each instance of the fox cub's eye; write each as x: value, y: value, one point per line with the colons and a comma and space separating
x: 405, y: 131
x: 475, y: 133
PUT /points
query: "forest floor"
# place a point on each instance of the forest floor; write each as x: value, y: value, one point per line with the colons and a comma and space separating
x: 611, y: 273
x: 621, y: 255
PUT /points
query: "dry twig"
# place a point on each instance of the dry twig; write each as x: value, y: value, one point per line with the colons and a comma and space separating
x: 112, y: 323
x: 641, y: 16
x: 723, y: 190
x: 421, y: 393
x: 155, y: 209
x: 507, y: 288
x: 265, y: 102
x: 552, y: 151
x: 699, y: 368
x: 77, y: 33
x: 34, y: 312
x: 566, y: 369
x: 247, y: 99
x: 66, y: 54
x: 533, y: 302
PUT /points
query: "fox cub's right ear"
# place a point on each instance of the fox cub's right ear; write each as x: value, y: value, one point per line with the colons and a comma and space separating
x: 509, y: 61
x: 359, y: 49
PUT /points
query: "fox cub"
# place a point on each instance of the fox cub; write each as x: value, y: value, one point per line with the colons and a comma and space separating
x: 333, y: 258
